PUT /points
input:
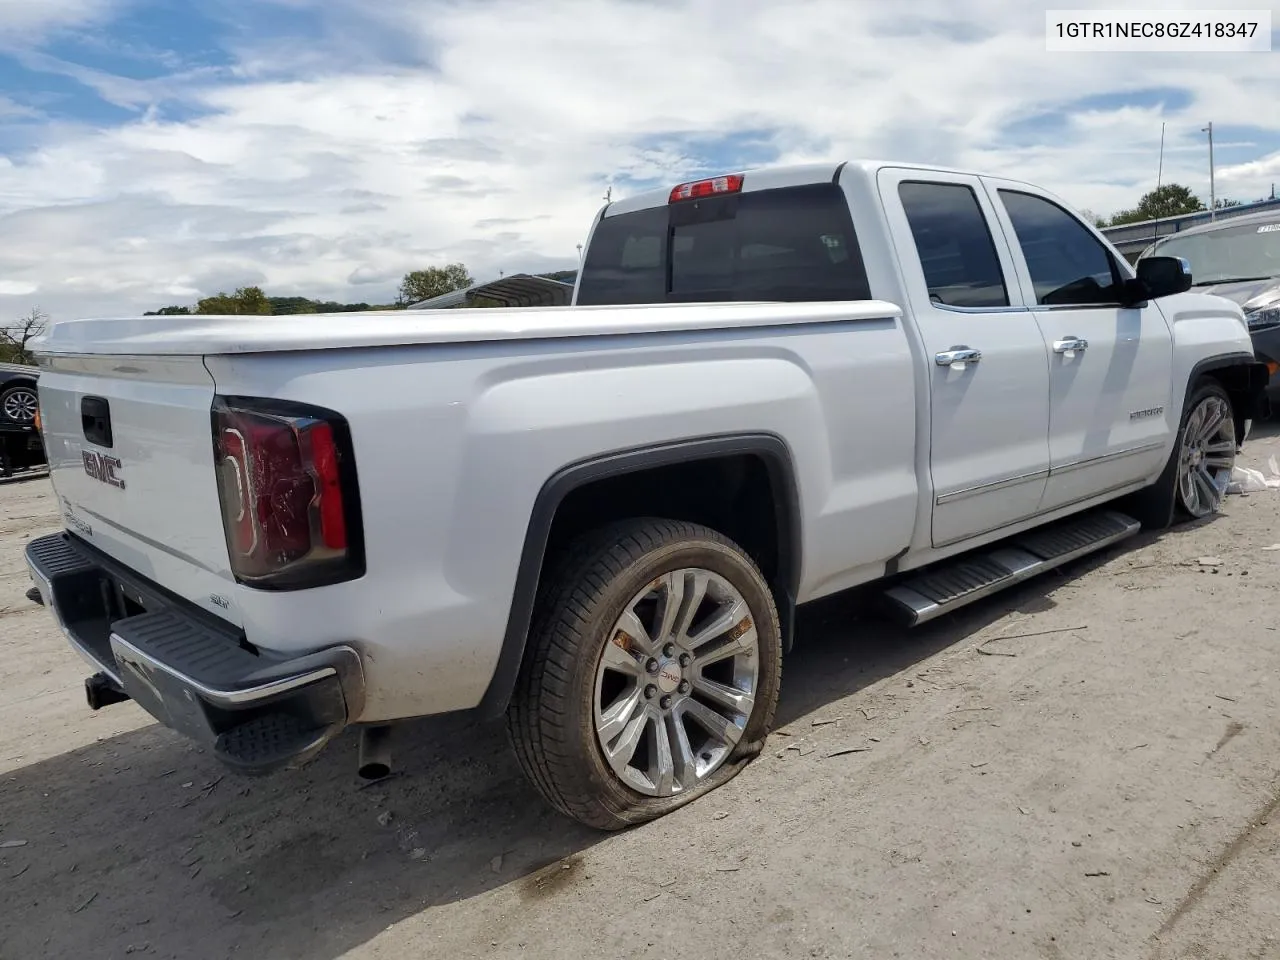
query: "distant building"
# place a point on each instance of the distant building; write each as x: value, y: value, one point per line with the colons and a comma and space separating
x: 1132, y: 238
x: 517, y: 290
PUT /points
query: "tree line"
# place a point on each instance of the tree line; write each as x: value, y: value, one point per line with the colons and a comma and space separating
x: 416, y: 286
x: 1167, y: 200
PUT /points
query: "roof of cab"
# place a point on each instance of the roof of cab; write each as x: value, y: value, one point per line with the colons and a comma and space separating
x: 768, y: 178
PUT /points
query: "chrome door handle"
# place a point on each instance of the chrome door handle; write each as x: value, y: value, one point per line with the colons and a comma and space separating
x: 1070, y: 345
x: 957, y: 355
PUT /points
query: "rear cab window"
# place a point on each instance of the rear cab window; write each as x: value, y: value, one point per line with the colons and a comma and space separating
x: 789, y: 244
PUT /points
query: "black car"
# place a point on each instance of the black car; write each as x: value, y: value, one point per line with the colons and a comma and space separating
x: 18, y: 393
x: 20, y: 444
x: 1238, y: 258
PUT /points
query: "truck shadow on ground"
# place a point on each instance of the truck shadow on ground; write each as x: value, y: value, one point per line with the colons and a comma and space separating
x: 141, y: 840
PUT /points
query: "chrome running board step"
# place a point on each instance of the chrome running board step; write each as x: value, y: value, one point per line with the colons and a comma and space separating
x: 952, y: 584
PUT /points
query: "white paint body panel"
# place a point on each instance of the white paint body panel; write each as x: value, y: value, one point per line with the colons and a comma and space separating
x: 458, y: 419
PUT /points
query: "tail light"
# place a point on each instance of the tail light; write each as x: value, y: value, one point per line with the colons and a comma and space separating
x: 731, y: 183
x: 289, y: 495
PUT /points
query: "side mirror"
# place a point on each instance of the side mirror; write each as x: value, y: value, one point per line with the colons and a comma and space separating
x: 1163, y: 276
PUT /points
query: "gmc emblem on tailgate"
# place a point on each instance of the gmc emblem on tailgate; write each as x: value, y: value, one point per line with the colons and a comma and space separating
x: 103, y: 468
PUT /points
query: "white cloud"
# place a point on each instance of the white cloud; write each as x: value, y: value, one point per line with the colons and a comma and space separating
x: 332, y: 181
x: 25, y: 18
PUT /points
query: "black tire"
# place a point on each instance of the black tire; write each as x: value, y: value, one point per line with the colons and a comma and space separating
x: 1161, y: 505
x: 8, y: 393
x: 551, y: 717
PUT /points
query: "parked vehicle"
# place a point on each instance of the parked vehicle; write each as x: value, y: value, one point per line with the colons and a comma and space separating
x: 599, y: 520
x: 1238, y: 259
x: 20, y: 447
x: 18, y: 399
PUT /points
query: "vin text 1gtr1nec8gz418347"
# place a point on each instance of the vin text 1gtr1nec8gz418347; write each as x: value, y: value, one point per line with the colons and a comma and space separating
x: 598, y: 520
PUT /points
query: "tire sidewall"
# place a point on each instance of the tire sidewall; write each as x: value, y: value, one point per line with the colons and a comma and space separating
x: 720, y: 558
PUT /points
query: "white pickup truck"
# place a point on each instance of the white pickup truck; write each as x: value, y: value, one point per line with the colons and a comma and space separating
x: 598, y: 520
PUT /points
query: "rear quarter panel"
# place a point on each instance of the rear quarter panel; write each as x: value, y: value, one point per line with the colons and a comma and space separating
x: 454, y: 443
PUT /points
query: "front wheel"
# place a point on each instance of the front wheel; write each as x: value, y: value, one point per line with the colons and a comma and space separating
x: 651, y: 673
x: 1195, y: 479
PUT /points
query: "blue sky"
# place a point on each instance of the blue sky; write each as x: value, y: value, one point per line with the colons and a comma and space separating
x: 156, y: 151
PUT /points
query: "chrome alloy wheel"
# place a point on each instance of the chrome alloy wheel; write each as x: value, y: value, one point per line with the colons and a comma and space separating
x: 20, y: 405
x: 676, y: 682
x: 1206, y: 457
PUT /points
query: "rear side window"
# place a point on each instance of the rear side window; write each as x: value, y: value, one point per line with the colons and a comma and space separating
x: 788, y: 244
x: 961, y: 267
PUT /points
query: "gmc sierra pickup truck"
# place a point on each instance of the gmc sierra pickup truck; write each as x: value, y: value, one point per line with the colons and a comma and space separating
x: 598, y: 520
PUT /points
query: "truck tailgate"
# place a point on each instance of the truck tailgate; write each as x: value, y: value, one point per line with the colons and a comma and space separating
x: 130, y: 450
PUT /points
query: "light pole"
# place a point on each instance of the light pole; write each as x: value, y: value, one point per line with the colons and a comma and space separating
x: 1213, y: 198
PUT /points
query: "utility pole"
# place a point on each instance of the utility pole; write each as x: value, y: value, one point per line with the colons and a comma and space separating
x: 608, y: 194
x: 579, y: 253
x: 1213, y: 197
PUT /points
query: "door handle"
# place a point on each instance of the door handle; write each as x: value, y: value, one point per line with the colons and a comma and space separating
x: 1070, y: 345
x: 957, y: 355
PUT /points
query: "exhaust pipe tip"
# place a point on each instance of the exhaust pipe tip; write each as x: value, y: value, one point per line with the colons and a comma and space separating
x: 101, y: 691
x: 375, y: 753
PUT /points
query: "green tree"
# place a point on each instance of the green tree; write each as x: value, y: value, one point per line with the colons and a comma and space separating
x: 168, y: 312
x: 1168, y: 200
x: 285, y: 306
x: 245, y: 301
x: 1223, y: 202
x: 422, y: 285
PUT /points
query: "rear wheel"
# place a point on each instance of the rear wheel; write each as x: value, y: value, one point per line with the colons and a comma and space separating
x: 651, y: 674
x: 1195, y: 479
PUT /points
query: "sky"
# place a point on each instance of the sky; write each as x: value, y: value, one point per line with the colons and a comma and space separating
x: 156, y: 151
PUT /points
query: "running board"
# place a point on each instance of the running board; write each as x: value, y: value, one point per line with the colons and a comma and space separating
x: 951, y: 584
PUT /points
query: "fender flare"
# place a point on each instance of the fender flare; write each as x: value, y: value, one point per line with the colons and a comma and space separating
x: 1252, y: 381
x: 771, y: 449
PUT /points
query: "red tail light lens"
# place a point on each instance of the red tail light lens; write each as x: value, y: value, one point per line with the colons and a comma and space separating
x: 731, y: 183
x: 287, y: 486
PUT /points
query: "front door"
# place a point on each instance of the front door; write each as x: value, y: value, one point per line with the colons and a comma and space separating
x: 987, y: 366
x: 1110, y: 366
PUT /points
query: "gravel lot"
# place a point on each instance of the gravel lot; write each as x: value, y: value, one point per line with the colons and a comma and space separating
x: 1103, y: 782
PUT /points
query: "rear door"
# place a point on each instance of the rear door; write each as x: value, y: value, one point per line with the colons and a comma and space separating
x: 130, y: 451
x: 987, y: 371
x: 1110, y: 366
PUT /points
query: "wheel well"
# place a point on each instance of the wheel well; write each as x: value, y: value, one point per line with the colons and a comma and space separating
x: 1244, y: 383
x: 731, y: 494
x: 16, y: 382
x: 742, y: 486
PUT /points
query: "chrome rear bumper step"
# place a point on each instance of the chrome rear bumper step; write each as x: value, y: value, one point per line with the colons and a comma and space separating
x: 952, y: 584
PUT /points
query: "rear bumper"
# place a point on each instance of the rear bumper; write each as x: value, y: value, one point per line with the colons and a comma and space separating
x: 191, y: 671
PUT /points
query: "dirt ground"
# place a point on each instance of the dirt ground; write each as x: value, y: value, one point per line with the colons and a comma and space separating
x: 1085, y: 767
